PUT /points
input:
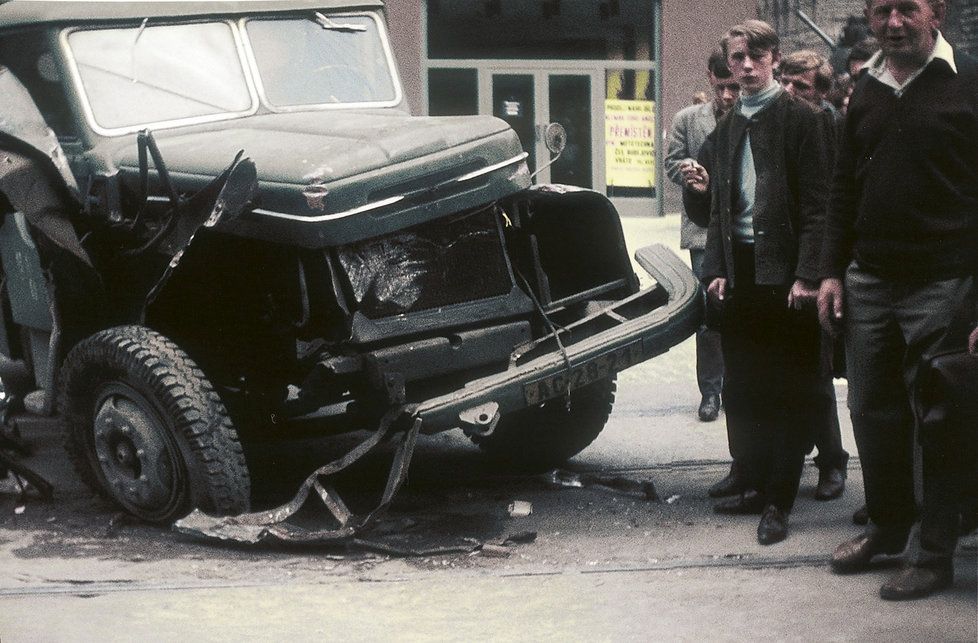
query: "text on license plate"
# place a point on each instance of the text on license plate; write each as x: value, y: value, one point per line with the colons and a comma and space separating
x: 583, y: 374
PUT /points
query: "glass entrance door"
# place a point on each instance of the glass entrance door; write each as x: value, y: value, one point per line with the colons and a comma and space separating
x: 529, y: 100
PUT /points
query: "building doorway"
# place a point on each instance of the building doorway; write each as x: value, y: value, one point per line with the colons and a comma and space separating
x: 587, y: 64
x: 528, y: 100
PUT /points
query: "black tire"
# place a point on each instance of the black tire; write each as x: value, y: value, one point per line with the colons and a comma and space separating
x: 145, y: 428
x: 546, y: 436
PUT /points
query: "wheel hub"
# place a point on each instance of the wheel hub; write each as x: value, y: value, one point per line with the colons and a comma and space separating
x: 133, y: 451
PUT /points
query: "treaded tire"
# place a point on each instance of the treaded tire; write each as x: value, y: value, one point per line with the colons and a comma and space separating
x: 546, y: 436
x: 144, y: 427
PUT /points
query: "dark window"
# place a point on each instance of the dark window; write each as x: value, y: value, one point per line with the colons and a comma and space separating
x: 453, y: 92
x: 555, y: 29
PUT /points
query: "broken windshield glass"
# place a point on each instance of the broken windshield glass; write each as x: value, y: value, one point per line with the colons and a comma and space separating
x: 311, y: 62
x: 154, y: 74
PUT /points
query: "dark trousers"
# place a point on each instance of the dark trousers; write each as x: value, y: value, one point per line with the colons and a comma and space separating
x: 709, y: 357
x: 826, y: 431
x: 774, y: 382
x: 889, y: 327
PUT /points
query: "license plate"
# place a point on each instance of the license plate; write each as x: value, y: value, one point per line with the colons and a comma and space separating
x: 583, y: 374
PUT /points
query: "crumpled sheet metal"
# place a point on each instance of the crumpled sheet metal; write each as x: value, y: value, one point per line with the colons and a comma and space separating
x: 223, y: 200
x: 21, y: 120
x: 273, y: 526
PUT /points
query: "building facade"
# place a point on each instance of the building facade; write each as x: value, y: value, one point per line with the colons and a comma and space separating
x: 613, y: 72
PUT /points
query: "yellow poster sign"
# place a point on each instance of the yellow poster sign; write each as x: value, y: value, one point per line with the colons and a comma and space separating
x: 630, y: 143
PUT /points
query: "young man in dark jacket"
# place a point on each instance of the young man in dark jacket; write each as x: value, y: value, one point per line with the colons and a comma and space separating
x: 769, y: 162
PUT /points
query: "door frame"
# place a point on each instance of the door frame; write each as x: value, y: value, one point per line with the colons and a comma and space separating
x: 541, y: 109
x: 540, y: 69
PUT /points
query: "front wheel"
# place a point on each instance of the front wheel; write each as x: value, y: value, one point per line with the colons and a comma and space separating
x: 145, y: 428
x: 547, y: 435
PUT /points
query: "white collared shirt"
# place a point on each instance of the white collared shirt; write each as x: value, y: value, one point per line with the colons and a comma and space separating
x: 878, y: 69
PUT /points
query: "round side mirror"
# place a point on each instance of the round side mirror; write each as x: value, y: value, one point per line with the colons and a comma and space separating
x: 555, y: 138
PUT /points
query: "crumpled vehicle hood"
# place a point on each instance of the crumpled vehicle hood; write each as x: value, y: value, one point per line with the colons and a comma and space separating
x: 322, y: 174
x: 315, y: 147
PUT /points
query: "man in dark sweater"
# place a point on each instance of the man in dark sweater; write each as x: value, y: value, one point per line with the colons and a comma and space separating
x: 899, y: 265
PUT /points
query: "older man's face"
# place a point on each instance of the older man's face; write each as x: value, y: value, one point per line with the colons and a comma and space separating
x: 905, y: 28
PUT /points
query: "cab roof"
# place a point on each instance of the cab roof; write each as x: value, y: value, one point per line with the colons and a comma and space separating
x: 16, y: 13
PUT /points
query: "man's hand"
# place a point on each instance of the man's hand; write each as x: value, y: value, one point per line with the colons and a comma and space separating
x: 973, y: 342
x: 695, y: 176
x: 803, y: 293
x: 830, y: 305
x: 717, y: 291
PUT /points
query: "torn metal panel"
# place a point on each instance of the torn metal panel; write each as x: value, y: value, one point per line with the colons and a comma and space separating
x: 29, y: 190
x: 274, y: 525
x: 20, y: 120
x: 223, y: 200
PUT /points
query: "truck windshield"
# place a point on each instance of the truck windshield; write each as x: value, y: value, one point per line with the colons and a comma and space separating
x: 157, y: 74
x: 321, y: 61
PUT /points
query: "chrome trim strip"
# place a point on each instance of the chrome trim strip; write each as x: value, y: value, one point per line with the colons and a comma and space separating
x: 492, y: 168
x: 385, y: 202
x: 330, y: 217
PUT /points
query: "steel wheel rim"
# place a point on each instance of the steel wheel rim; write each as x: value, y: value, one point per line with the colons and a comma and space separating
x: 138, y: 459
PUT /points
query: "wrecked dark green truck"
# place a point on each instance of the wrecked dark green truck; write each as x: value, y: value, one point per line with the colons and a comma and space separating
x: 219, y: 221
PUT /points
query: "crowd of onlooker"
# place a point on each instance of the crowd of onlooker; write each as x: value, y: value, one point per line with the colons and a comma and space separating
x: 833, y: 220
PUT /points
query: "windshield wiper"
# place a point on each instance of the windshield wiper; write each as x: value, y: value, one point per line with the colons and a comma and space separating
x: 332, y: 25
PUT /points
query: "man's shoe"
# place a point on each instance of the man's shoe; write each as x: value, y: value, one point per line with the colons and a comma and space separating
x: 855, y: 554
x: 918, y: 582
x: 831, y: 484
x: 749, y: 502
x: 709, y: 408
x: 773, y: 527
x: 730, y: 485
x: 860, y: 516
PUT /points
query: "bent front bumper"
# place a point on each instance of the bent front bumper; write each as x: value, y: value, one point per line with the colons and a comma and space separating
x: 618, y: 335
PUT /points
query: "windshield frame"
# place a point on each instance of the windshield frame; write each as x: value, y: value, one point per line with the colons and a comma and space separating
x: 86, y: 104
x: 338, y: 16
x: 258, y: 100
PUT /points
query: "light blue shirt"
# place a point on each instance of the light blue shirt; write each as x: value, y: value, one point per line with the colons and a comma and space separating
x: 749, y: 105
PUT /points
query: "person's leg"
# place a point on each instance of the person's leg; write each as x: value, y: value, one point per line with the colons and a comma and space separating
x: 794, y: 380
x: 832, y: 458
x: 739, y: 383
x: 881, y: 417
x: 927, y: 316
x: 709, y: 357
x: 882, y: 421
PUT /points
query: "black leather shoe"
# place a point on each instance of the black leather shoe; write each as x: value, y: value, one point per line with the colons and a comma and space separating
x: 831, y: 484
x: 855, y: 554
x: 860, y: 516
x: 709, y: 408
x: 918, y: 582
x: 748, y: 502
x: 773, y: 527
x: 731, y: 485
